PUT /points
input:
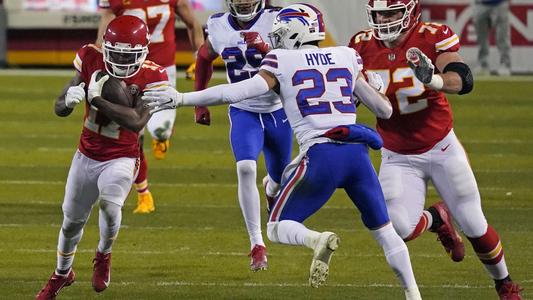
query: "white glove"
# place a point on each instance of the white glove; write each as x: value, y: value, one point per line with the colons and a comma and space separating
x: 160, y: 99
x: 95, y: 87
x: 75, y: 95
x: 375, y: 81
x: 423, y: 68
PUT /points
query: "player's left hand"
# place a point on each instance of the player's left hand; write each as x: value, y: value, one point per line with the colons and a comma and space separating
x: 254, y: 40
x: 95, y: 87
x: 421, y: 65
x: 189, y: 73
x: 161, y: 99
x: 375, y: 81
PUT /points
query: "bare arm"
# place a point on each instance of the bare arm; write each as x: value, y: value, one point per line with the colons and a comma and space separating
x: 452, y: 81
x: 194, y: 28
x: 133, y: 119
x: 60, y: 108
x: 106, y: 16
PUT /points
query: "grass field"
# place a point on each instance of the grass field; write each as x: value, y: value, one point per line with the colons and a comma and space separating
x: 194, y: 246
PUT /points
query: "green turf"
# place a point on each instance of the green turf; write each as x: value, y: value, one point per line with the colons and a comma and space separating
x: 194, y: 246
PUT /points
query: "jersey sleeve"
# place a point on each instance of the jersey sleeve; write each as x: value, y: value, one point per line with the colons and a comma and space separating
x: 212, y: 26
x: 446, y: 40
x: 104, y: 4
x: 157, y: 78
x: 271, y: 64
x: 85, y: 53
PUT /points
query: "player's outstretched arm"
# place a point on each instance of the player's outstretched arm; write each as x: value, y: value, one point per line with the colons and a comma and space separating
x: 72, y: 94
x: 133, y: 119
x: 371, y: 97
x: 194, y: 28
x: 169, y: 98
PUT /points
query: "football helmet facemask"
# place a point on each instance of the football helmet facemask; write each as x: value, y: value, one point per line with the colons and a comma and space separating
x: 296, y: 25
x: 125, y: 46
x: 245, y: 10
x: 390, y: 31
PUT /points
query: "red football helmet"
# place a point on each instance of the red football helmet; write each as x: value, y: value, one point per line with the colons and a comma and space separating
x: 389, y: 31
x: 125, y: 46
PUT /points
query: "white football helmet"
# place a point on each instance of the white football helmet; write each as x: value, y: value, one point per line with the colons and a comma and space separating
x: 245, y: 10
x: 296, y: 25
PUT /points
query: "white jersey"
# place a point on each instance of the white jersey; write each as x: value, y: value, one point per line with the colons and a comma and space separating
x: 242, y: 63
x: 316, y: 88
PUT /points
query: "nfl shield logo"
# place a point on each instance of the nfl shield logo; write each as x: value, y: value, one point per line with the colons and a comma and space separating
x: 392, y: 56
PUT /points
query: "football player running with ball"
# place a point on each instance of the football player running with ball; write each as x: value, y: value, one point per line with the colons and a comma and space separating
x: 317, y: 87
x: 257, y: 123
x: 106, y: 162
x: 418, y: 63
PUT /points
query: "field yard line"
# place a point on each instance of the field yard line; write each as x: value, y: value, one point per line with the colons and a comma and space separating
x: 209, y: 253
x: 200, y: 185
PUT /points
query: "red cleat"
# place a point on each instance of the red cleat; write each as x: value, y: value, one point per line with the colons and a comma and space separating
x: 101, y: 271
x: 270, y: 200
x: 55, y: 284
x: 259, y: 259
x: 510, y: 291
x: 448, y: 236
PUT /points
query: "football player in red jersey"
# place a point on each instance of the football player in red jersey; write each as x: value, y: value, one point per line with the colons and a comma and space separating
x: 160, y: 17
x: 106, y: 162
x: 419, y: 62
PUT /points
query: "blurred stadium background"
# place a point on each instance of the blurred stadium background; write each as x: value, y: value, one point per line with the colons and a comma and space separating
x: 194, y: 245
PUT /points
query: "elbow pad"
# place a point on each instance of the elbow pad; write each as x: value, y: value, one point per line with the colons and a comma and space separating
x: 464, y: 72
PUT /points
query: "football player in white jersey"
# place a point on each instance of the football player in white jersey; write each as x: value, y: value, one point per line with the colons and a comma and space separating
x: 257, y: 123
x: 317, y: 88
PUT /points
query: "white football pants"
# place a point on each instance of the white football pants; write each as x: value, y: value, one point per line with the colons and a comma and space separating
x: 161, y: 123
x: 404, y: 180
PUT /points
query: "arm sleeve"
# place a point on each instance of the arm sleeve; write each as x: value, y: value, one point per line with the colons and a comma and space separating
x: 378, y: 104
x: 227, y: 93
x: 204, y: 68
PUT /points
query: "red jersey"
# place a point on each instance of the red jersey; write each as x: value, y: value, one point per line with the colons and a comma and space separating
x: 160, y: 16
x: 421, y: 116
x: 105, y: 140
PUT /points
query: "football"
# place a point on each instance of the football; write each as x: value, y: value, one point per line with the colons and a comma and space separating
x: 116, y: 91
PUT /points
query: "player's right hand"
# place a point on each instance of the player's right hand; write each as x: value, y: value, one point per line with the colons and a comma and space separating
x: 254, y: 40
x: 202, y: 115
x: 161, y: 99
x: 95, y: 86
x: 75, y: 95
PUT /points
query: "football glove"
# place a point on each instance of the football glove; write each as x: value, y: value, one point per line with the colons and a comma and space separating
x: 95, y: 87
x: 254, y: 40
x: 423, y: 68
x: 375, y: 81
x: 202, y: 115
x: 190, y: 72
x: 75, y: 95
x: 161, y: 99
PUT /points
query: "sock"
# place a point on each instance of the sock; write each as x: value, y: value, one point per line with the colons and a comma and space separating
x: 249, y: 200
x: 272, y: 188
x: 295, y: 233
x: 425, y: 222
x: 489, y: 249
x: 436, y: 219
x: 110, y: 216
x: 69, y: 237
x: 141, y: 182
x: 396, y: 254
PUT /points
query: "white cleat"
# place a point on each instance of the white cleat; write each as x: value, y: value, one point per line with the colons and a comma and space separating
x: 412, y: 293
x: 326, y: 245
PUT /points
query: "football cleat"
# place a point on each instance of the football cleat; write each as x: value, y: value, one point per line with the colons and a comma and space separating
x: 145, y: 203
x: 447, y: 235
x: 510, y: 291
x: 101, y: 271
x: 160, y: 148
x: 55, y: 284
x: 258, y: 258
x: 270, y: 199
x: 327, y: 243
